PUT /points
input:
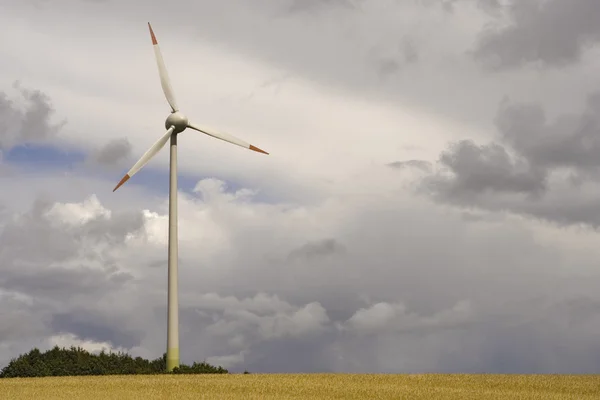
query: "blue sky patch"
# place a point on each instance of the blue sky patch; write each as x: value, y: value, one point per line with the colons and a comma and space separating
x: 46, y: 158
x: 37, y: 155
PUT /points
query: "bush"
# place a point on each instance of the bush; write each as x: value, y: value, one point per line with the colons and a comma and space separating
x: 77, y: 361
x: 202, y: 368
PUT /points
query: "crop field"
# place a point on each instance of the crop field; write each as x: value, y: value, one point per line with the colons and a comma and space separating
x: 304, y: 386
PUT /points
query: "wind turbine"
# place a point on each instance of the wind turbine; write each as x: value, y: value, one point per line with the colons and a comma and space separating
x: 176, y: 123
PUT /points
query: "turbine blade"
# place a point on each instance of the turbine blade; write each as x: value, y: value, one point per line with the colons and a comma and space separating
x: 162, y: 71
x: 225, y: 136
x: 160, y: 143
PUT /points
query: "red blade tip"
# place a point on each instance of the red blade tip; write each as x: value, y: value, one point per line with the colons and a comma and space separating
x: 125, y: 179
x: 257, y: 149
x: 152, y: 34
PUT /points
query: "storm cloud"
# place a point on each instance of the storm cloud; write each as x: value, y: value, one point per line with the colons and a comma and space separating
x: 113, y: 153
x: 26, y: 118
x: 554, y: 33
x: 535, y: 168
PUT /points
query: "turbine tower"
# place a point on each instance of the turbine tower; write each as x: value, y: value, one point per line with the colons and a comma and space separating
x: 176, y: 123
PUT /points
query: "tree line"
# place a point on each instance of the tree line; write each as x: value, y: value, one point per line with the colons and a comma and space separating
x: 77, y: 361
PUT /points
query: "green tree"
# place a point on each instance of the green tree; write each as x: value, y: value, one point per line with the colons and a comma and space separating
x: 78, y: 361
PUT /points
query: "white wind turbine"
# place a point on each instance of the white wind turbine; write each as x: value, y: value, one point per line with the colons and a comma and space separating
x: 176, y: 123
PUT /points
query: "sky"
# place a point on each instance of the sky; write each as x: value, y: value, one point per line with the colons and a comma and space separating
x: 430, y: 202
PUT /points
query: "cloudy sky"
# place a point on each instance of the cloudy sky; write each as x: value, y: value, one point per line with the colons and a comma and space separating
x: 430, y: 202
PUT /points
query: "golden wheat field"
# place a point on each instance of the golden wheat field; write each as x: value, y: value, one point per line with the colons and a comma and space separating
x: 305, y: 386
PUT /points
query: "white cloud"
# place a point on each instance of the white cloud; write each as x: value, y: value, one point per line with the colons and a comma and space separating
x: 69, y: 340
x: 385, y: 318
x: 78, y: 213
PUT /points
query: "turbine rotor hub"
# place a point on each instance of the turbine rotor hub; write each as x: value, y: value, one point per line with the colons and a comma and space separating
x: 178, y: 120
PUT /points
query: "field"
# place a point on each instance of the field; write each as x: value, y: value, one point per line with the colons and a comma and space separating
x: 305, y: 386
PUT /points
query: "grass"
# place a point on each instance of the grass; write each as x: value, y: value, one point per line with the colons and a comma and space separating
x: 304, y: 386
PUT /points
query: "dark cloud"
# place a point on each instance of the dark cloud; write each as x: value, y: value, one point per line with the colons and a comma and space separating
x: 388, y: 66
x: 406, y: 54
x: 422, y: 165
x: 571, y: 140
x: 488, y: 168
x: 544, y: 343
x: 321, y: 248
x: 21, y: 319
x: 54, y: 282
x: 28, y: 124
x: 552, y: 32
x: 113, y: 153
x: 309, y: 355
x: 543, y: 168
x: 87, y: 325
x: 113, y: 230
x: 409, y: 51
